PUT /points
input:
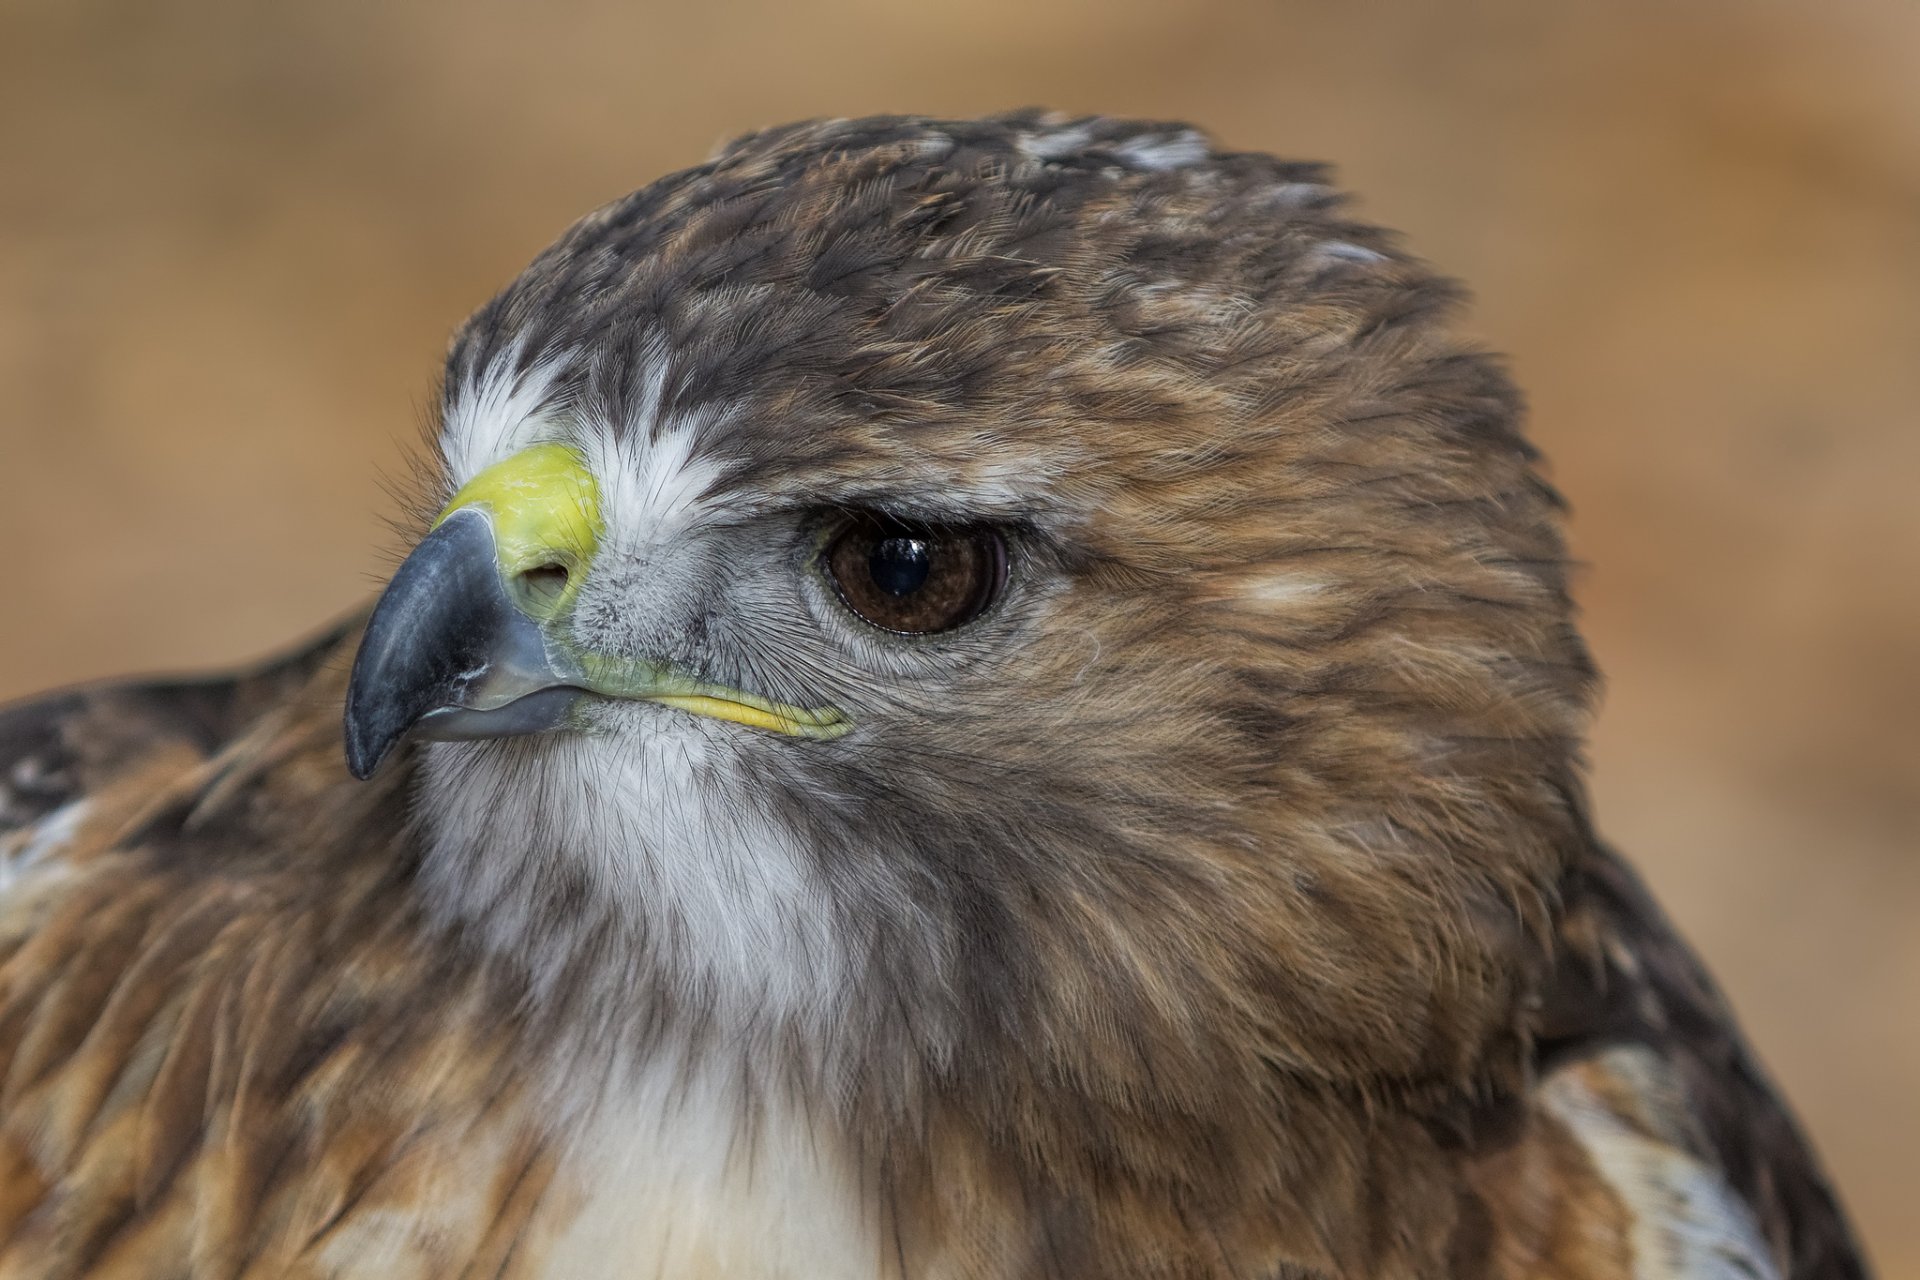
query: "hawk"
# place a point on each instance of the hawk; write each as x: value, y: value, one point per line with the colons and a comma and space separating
x: 971, y: 699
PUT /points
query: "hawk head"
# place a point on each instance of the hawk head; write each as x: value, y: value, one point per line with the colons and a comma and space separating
x: 1018, y: 610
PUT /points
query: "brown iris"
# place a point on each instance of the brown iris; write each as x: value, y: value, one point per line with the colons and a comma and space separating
x: 915, y: 579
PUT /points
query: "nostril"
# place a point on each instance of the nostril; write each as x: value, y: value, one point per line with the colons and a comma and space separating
x: 543, y: 585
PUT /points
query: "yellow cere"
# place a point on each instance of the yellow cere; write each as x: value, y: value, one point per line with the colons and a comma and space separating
x: 545, y: 506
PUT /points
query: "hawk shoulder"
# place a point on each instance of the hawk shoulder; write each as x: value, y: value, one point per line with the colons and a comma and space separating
x: 1655, y: 1147
x: 224, y: 1049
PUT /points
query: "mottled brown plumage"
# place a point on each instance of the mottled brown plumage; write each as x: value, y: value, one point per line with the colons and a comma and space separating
x: 1220, y: 901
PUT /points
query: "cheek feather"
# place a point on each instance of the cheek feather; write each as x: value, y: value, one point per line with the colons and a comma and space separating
x: 654, y: 819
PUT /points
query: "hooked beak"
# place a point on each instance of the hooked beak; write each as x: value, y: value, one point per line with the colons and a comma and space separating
x: 461, y: 644
x: 448, y: 655
x: 466, y: 643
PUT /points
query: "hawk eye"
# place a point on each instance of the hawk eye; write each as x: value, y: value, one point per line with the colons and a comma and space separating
x: 915, y: 579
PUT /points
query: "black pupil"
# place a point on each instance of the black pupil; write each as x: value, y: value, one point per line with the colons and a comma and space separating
x: 899, y: 565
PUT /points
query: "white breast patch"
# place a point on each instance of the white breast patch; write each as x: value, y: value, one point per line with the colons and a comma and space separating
x: 681, y: 1186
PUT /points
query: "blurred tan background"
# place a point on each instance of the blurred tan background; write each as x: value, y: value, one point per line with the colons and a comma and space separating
x: 233, y: 239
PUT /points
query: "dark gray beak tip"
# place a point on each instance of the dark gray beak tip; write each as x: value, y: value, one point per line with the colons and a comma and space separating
x: 366, y: 747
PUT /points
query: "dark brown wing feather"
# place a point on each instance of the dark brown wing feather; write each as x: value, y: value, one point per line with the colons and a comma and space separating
x: 1627, y: 981
x: 55, y: 747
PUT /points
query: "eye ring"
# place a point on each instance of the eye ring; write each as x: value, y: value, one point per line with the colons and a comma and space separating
x: 914, y: 579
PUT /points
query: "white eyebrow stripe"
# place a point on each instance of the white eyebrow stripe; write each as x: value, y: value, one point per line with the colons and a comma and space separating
x: 649, y: 486
x: 497, y: 412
